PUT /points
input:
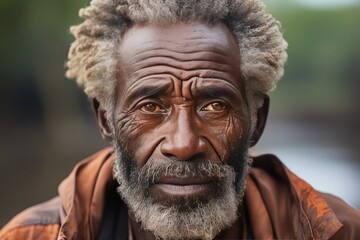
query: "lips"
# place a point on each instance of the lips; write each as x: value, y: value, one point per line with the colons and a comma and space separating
x: 170, y: 190
x: 184, y: 180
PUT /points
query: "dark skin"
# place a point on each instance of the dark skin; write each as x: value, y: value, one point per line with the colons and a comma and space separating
x: 180, y: 97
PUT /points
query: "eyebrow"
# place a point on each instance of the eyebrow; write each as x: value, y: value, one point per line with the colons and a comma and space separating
x: 147, y: 90
x: 218, y: 91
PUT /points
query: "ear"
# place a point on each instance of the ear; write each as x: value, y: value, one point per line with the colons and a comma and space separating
x: 261, y: 115
x: 100, y: 114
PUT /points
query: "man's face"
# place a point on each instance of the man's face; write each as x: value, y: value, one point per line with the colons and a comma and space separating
x: 181, y: 124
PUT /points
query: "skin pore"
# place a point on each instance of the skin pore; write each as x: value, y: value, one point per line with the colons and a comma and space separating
x: 181, y: 127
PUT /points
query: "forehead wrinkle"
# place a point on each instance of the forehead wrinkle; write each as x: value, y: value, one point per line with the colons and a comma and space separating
x: 180, y: 74
x: 200, y: 56
x: 143, y: 57
x: 155, y: 81
x: 151, y: 50
x: 184, y: 66
x: 186, y: 46
x: 219, y: 65
x: 181, y: 50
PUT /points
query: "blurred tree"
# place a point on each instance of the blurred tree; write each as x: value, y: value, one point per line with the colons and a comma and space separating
x: 323, y: 54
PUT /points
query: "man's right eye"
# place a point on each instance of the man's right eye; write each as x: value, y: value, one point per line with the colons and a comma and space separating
x: 151, y: 108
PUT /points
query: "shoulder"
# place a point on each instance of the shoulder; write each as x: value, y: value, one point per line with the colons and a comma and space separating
x: 322, y: 214
x: 38, y: 222
x: 348, y: 216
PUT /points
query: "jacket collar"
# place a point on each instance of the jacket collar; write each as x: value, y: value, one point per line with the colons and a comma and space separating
x: 277, y: 203
x: 287, y: 206
x: 82, y: 196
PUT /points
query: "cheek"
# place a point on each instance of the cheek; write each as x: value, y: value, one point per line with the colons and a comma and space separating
x: 226, y: 134
x: 137, y: 134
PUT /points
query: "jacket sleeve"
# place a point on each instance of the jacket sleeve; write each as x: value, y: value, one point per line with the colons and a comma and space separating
x: 41, y: 222
x: 31, y: 232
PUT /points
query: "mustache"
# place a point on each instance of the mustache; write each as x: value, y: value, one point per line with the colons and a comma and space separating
x: 155, y: 170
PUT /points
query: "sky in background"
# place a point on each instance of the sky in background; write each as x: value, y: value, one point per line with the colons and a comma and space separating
x: 319, y: 3
x: 329, y: 3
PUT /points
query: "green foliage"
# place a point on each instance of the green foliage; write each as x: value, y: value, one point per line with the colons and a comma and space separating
x: 25, y: 25
x: 322, y: 72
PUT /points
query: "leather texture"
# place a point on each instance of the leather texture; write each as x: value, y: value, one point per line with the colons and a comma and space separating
x: 277, y: 205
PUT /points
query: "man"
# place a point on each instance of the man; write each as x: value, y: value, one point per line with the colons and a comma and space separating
x: 179, y: 90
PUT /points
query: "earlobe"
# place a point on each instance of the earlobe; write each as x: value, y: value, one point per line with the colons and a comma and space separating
x: 100, y: 114
x: 261, y: 115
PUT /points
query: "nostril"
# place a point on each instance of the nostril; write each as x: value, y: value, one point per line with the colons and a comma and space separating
x: 198, y: 157
x: 170, y: 156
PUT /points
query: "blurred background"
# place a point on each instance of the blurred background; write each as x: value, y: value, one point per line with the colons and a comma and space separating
x: 46, y: 123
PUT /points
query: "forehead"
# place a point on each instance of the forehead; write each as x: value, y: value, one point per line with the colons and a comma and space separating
x: 181, y: 51
x: 181, y: 33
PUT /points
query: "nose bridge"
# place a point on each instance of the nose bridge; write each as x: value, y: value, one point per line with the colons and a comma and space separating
x: 184, y: 132
x: 183, y: 140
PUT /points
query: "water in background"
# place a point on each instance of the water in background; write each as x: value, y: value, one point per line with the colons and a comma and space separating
x: 309, y: 151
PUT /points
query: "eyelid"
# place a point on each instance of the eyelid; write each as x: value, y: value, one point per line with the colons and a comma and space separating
x: 207, y: 103
x: 146, y: 101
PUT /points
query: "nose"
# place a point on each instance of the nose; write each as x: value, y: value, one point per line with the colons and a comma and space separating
x: 183, y: 141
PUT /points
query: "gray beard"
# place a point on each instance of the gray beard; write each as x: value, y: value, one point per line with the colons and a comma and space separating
x: 204, y: 220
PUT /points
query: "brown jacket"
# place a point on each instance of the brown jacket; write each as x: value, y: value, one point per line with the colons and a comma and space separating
x: 278, y: 205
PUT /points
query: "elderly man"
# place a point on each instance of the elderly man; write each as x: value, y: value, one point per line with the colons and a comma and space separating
x: 179, y: 89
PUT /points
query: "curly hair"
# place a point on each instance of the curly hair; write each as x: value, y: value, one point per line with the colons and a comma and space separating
x: 94, y: 53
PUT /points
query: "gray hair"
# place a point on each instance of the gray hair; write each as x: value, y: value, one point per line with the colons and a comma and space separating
x: 94, y: 53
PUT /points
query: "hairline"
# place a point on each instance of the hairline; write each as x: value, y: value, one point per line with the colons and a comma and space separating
x: 261, y: 45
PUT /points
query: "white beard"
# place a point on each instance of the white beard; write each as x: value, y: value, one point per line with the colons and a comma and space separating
x: 204, y: 221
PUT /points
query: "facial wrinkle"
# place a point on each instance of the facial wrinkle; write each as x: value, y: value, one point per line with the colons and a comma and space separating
x: 177, y: 87
x: 187, y: 88
x: 153, y: 148
x: 218, y: 74
x: 205, y: 64
x: 160, y: 60
x: 216, y: 150
x: 176, y: 54
x: 179, y: 73
x: 126, y: 125
x: 135, y: 84
x: 175, y: 46
x: 229, y: 123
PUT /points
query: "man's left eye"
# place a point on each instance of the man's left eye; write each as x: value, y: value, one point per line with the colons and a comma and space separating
x: 214, y: 107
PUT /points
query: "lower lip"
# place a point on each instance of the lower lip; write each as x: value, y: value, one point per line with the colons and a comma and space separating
x: 195, y: 190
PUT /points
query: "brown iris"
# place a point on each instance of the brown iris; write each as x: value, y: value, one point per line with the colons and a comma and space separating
x: 151, y: 108
x: 214, y: 106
